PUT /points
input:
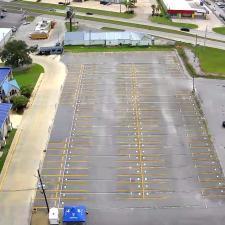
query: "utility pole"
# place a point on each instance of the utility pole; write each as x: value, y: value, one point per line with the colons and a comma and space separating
x: 206, y: 29
x: 43, y: 190
x: 193, y: 76
x: 120, y: 6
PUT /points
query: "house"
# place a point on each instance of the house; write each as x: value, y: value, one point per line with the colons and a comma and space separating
x: 5, y: 124
x: 8, y: 86
x: 107, y: 38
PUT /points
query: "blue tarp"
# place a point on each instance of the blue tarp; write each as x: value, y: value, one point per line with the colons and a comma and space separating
x: 4, y: 112
x: 4, y: 73
x: 74, y: 213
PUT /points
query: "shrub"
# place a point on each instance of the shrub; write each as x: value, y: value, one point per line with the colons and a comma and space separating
x: 26, y: 90
x: 19, y: 102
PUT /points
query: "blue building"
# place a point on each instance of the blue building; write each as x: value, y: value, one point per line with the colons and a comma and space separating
x: 8, y: 89
x: 5, y: 124
x: 8, y: 86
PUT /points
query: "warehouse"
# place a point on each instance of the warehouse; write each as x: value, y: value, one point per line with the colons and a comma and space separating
x: 107, y: 38
x: 5, y: 34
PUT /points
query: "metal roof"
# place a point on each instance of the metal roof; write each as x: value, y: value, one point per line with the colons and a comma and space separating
x: 177, y: 5
x: 94, y: 36
x: 4, y: 32
x: 4, y: 73
x: 4, y: 112
x: 74, y: 213
x: 8, y: 86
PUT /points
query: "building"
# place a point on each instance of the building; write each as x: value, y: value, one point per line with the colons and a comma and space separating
x: 8, y: 86
x: 5, y: 124
x: 182, y: 8
x: 5, y: 34
x: 107, y: 38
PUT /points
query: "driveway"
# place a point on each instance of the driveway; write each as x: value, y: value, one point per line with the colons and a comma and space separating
x: 18, y: 181
x: 56, y: 34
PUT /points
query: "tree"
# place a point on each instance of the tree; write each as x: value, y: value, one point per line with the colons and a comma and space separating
x: 153, y: 9
x: 19, y: 102
x: 16, y: 53
x: 130, y: 5
x: 26, y: 90
x: 157, y: 8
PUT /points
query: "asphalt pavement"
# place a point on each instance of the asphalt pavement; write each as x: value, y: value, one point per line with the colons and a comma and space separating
x: 129, y: 142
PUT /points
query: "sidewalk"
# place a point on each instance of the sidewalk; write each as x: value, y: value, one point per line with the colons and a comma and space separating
x: 18, y: 181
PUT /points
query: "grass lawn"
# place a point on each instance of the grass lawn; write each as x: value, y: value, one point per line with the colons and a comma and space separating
x: 6, y: 148
x: 28, y: 76
x: 219, y: 30
x: 84, y: 10
x: 111, y: 29
x: 30, y: 18
x: 79, y: 49
x: 74, y: 27
x: 169, y: 22
x: 212, y: 60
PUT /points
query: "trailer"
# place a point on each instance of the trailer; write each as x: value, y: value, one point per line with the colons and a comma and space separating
x: 54, y: 50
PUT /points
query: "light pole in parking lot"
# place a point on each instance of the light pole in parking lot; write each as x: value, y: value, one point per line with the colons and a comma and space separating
x: 206, y: 30
x: 195, y: 55
x: 43, y: 190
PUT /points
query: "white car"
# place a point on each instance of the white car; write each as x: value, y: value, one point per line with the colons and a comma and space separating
x: 25, y: 23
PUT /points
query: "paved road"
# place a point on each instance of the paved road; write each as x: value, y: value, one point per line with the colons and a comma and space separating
x: 19, y: 173
x: 129, y: 143
x: 212, y: 94
x: 184, y: 38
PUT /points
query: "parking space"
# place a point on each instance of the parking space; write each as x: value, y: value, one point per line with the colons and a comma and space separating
x: 11, y: 20
x: 128, y: 134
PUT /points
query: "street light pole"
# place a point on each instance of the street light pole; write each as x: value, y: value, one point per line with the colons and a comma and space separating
x: 120, y: 6
x: 206, y: 29
x: 193, y: 76
x: 43, y: 190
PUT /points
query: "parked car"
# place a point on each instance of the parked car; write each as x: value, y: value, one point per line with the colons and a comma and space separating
x: 104, y: 2
x: 14, y: 29
x: 223, y: 124
x: 26, y: 23
x: 4, y: 10
x: 34, y: 48
x: 63, y: 3
x: 185, y: 29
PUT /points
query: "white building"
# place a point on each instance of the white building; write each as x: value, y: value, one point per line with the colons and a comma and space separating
x: 5, y: 34
x: 107, y: 38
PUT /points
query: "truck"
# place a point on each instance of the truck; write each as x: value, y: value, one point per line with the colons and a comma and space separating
x: 39, y: 35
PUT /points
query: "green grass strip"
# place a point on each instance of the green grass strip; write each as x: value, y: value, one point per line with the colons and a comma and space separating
x: 212, y: 60
x: 74, y: 28
x: 6, y: 148
x: 169, y: 22
x: 80, y: 49
x: 111, y: 29
x: 219, y: 30
x: 28, y: 76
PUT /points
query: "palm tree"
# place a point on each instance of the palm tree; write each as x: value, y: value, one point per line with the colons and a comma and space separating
x: 153, y: 9
x: 129, y: 4
x: 157, y: 8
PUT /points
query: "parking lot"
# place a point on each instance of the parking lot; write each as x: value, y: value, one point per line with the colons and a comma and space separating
x: 128, y: 135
